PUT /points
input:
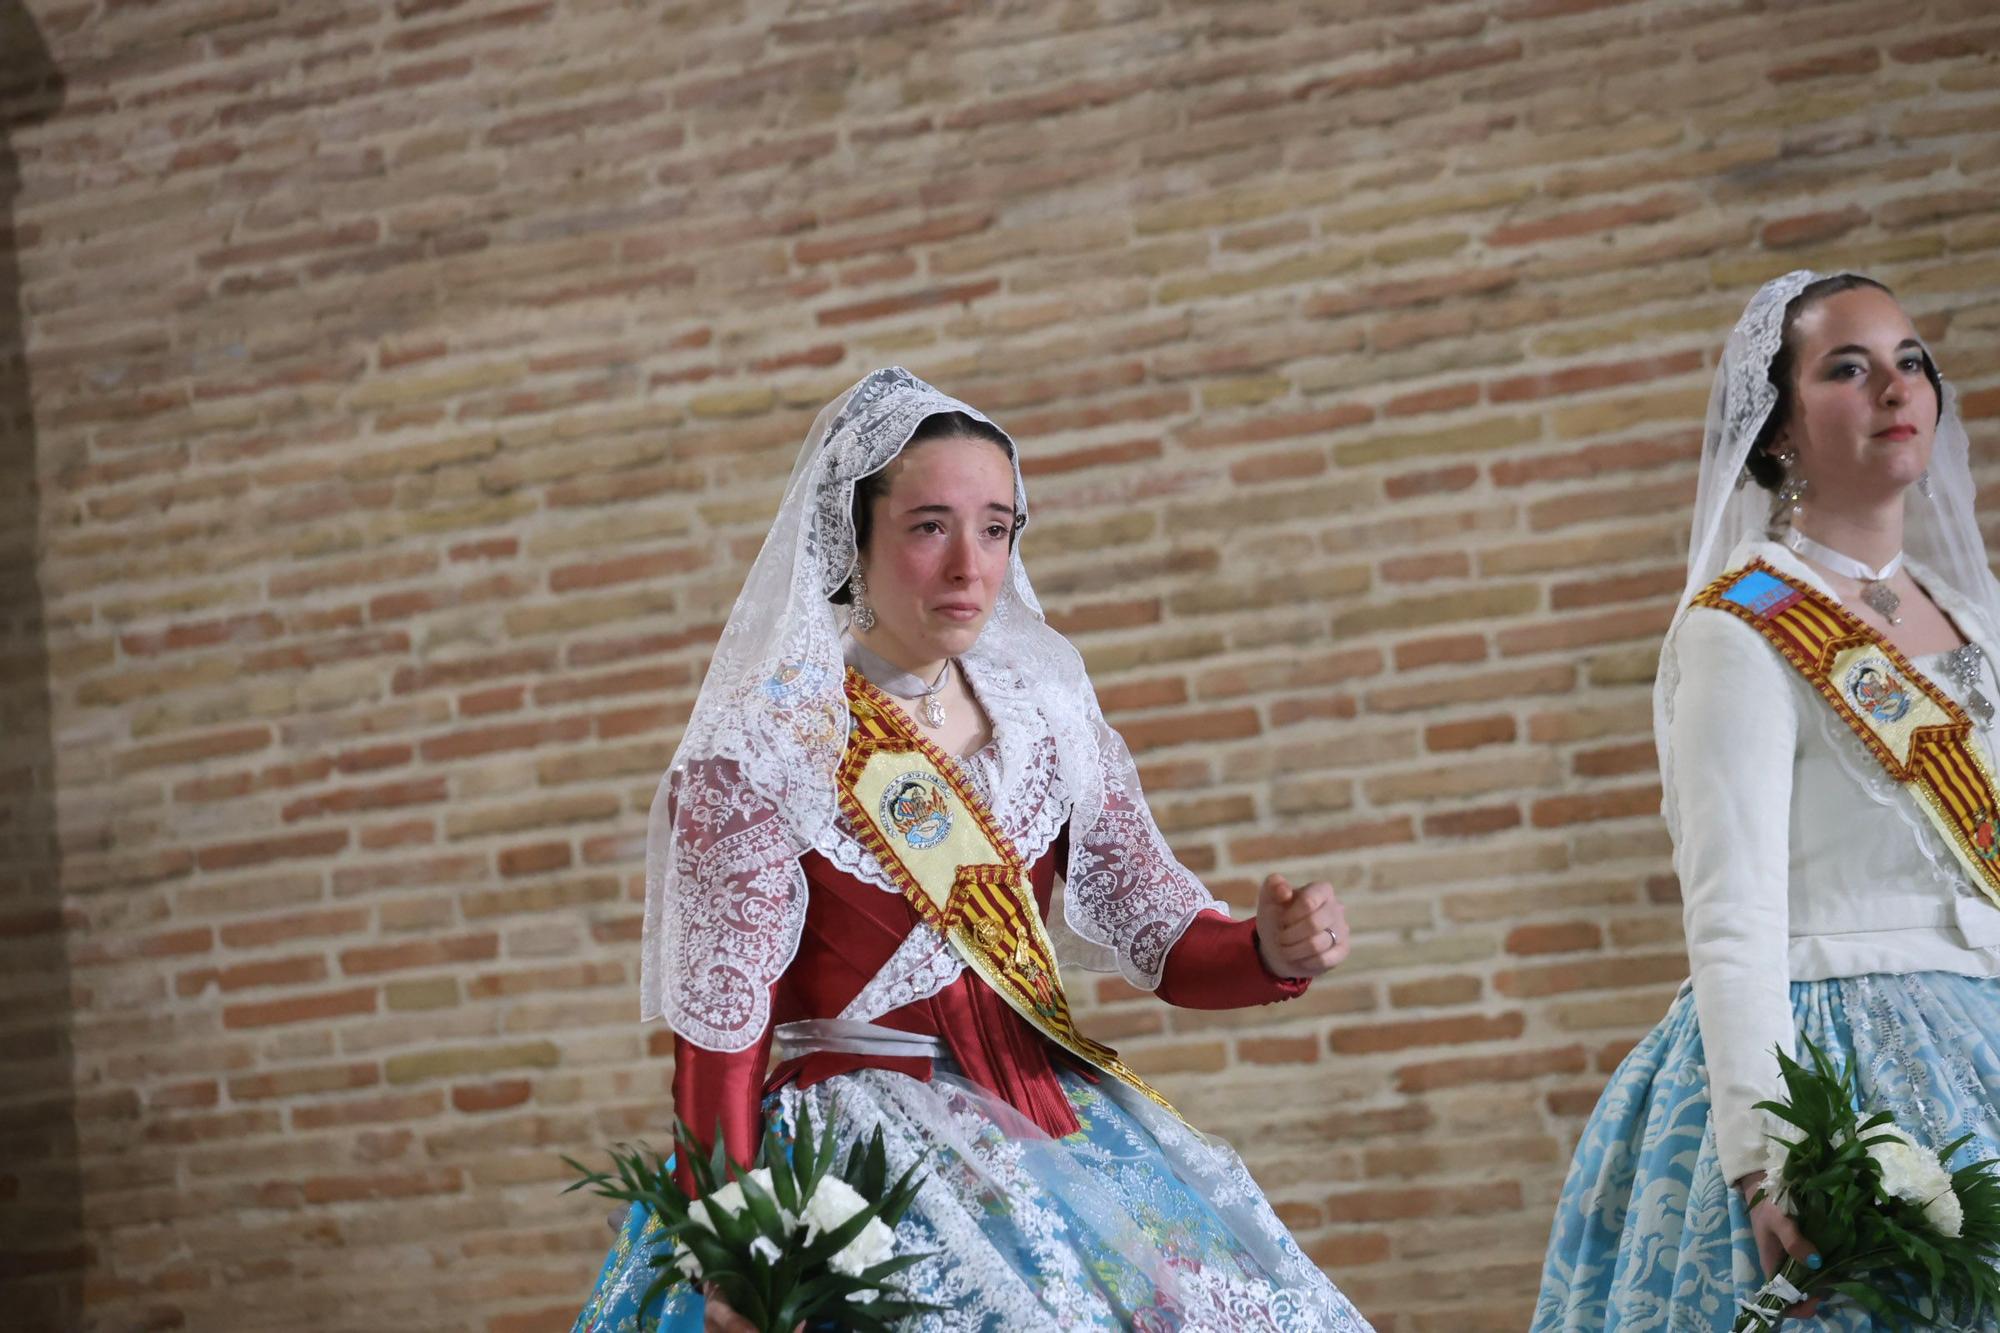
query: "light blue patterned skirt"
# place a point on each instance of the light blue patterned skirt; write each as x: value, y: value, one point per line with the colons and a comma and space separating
x: 1649, y: 1236
x: 1133, y: 1222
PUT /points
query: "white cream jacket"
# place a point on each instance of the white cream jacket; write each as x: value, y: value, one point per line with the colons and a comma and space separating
x: 1799, y: 858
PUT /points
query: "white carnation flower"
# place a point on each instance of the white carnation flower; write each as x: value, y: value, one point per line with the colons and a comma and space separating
x: 874, y: 1245
x: 1909, y: 1172
x: 729, y: 1199
x: 1902, y: 1168
x: 1945, y: 1214
x: 832, y: 1204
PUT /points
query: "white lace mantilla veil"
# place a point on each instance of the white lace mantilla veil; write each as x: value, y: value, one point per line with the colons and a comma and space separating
x: 751, y: 785
x: 1940, y: 531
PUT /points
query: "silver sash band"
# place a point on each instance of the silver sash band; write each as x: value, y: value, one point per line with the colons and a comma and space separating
x: 851, y: 1038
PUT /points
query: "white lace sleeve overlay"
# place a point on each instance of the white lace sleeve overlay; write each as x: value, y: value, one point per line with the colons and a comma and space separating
x: 1124, y: 889
x: 730, y: 926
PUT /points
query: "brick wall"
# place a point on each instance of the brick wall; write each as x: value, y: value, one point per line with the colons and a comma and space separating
x: 407, y: 387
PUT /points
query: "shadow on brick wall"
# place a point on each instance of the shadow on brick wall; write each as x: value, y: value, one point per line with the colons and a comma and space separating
x: 42, y: 1255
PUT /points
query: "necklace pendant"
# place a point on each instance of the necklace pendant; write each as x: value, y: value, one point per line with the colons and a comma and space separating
x: 1962, y: 665
x: 1979, y: 706
x: 1883, y: 598
x: 933, y: 711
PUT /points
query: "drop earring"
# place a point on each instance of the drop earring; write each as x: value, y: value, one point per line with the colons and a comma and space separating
x: 1789, y: 501
x: 861, y: 616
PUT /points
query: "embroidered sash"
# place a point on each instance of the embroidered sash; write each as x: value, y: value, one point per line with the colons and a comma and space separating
x: 933, y: 836
x: 1919, y: 735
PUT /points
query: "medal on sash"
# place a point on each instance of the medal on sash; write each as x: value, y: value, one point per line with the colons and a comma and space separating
x: 933, y: 836
x: 1916, y: 731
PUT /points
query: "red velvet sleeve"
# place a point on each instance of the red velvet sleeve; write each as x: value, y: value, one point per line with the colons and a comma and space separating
x: 1215, y: 965
x: 720, y: 1087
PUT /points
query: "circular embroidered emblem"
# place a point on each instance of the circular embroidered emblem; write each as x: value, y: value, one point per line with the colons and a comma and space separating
x: 1876, y: 691
x: 786, y: 682
x: 917, y: 806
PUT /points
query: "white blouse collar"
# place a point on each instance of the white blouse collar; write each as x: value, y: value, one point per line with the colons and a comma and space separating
x: 1962, y: 611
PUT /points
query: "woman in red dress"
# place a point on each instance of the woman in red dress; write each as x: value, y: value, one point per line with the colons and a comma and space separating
x: 851, y: 870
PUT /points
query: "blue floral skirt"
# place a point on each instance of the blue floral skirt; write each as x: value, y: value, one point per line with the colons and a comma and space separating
x: 1133, y: 1222
x: 1649, y: 1236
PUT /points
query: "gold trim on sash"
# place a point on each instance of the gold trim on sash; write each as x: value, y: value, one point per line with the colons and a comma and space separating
x: 910, y: 806
x: 1916, y: 731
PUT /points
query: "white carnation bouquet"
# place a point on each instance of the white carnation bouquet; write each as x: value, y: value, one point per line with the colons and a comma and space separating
x: 789, y: 1241
x: 1898, y: 1232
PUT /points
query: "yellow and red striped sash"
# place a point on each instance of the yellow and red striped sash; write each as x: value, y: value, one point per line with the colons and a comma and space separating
x: 934, y: 837
x: 1917, y: 732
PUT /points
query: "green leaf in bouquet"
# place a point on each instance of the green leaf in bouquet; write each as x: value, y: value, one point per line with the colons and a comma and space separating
x: 867, y: 1318
x: 855, y: 1170
x: 745, y: 1298
x: 876, y: 1317
x: 1838, y: 1083
x: 1978, y: 1189
x: 596, y: 1181
x: 804, y: 1148
x: 888, y: 1268
x: 773, y: 1297
x: 718, y: 1160
x: 824, y: 1156
x: 886, y: 1312
x: 642, y: 1180
x: 1879, y: 1303
x: 902, y: 1194
x: 878, y: 1166
x: 736, y: 1229
x: 835, y: 1239
x: 715, y: 1253
x: 823, y: 1290
x: 791, y: 1265
x: 1787, y: 1114
x: 1950, y: 1150
x: 706, y: 1166
x: 630, y: 1179
x: 783, y: 1183
x: 859, y: 1322
x: 1879, y: 1120
x: 787, y: 1312
x: 762, y: 1208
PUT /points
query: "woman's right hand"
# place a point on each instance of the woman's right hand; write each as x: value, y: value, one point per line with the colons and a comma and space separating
x: 1778, y: 1238
x: 718, y: 1317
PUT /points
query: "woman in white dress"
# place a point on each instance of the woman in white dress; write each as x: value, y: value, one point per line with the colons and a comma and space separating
x: 1838, y: 601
